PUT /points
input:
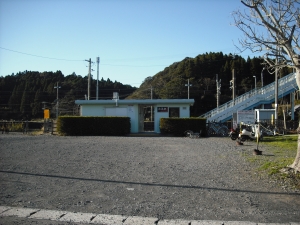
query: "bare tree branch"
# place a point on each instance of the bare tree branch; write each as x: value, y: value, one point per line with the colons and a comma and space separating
x: 273, y: 27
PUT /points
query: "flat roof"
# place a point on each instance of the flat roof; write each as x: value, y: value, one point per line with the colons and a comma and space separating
x: 135, y: 101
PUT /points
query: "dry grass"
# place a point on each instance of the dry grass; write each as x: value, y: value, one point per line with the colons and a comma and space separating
x: 281, y: 153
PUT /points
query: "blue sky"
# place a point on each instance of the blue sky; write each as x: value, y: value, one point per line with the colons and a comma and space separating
x: 133, y: 38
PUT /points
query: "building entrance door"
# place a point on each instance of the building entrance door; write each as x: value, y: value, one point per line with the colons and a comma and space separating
x: 146, y: 118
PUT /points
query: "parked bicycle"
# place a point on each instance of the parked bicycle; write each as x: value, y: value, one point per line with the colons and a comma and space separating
x: 191, y: 134
x: 217, y: 129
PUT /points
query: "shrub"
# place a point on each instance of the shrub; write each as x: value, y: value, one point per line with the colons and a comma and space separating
x: 177, y: 126
x: 93, y: 126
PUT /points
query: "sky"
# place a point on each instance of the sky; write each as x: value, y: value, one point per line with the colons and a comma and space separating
x: 134, y: 39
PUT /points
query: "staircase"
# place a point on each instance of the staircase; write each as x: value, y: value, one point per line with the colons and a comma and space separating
x: 253, y: 98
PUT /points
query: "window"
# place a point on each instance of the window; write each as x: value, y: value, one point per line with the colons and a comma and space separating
x: 173, y: 112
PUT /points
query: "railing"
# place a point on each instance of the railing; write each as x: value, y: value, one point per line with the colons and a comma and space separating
x: 288, y: 126
x: 47, y: 126
x: 252, y: 98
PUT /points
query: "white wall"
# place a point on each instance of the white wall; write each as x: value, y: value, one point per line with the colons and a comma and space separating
x: 92, y: 110
x: 184, y: 112
x: 116, y: 111
x: 264, y: 114
x: 132, y: 112
x: 109, y: 110
x: 158, y: 116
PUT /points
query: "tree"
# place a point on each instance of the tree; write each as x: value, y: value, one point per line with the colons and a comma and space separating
x: 273, y: 27
x: 174, y: 89
x: 37, y: 105
x: 25, y: 102
x: 246, y: 84
x: 207, y: 82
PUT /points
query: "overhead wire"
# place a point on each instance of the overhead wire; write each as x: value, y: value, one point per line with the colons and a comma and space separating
x: 45, y: 57
x: 52, y: 58
x: 130, y: 65
x: 103, y: 64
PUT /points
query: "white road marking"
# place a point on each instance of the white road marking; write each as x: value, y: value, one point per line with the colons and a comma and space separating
x: 48, y: 214
x: 78, y: 217
x: 19, y: 212
x: 136, y: 220
x: 107, y: 219
x: 4, y: 208
x: 175, y: 222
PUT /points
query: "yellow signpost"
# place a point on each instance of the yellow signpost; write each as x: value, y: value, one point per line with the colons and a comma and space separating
x: 46, y: 113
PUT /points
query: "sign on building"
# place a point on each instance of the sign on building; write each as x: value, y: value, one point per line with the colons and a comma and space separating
x: 162, y: 109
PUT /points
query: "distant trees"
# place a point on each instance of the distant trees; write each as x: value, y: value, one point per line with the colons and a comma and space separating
x: 22, y: 94
x: 207, y: 82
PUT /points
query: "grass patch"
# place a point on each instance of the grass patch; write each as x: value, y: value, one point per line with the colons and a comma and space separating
x: 278, y: 153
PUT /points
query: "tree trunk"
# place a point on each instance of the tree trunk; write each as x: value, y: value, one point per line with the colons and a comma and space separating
x: 296, y: 163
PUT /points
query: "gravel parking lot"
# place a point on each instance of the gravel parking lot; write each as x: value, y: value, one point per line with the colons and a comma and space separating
x: 163, y: 177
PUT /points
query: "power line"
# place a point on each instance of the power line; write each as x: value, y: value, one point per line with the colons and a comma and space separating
x: 106, y: 64
x: 76, y: 60
x: 45, y: 57
x: 117, y: 65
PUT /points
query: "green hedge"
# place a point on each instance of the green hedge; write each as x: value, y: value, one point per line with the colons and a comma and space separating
x: 93, y: 126
x: 177, y: 126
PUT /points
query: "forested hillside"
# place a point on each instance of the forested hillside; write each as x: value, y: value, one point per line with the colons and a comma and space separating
x: 22, y: 94
x: 201, y: 73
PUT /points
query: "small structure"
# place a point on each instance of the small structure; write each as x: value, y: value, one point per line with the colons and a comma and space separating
x: 144, y: 114
x: 252, y: 116
x: 264, y: 114
x: 243, y: 116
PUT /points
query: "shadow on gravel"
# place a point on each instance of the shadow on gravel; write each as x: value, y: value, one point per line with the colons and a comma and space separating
x: 148, y: 184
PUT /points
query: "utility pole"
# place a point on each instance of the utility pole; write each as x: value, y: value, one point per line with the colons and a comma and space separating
x: 89, y: 78
x: 57, y: 87
x: 188, y: 85
x: 151, y: 105
x: 97, y: 88
x: 232, y: 85
x: 262, y: 77
x: 276, y: 76
x: 218, y: 90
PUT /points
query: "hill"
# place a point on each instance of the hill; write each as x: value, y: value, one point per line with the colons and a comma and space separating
x: 201, y: 73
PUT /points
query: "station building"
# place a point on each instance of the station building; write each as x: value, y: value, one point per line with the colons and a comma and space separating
x: 144, y: 114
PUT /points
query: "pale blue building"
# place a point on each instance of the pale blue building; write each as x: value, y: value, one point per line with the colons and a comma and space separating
x: 144, y: 114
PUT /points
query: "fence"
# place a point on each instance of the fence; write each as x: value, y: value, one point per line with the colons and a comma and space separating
x: 47, y: 126
x: 280, y: 126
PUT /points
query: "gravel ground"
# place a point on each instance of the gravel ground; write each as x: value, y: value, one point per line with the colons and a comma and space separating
x: 164, y: 177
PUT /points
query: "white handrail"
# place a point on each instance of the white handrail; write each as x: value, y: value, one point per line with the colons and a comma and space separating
x: 286, y: 85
